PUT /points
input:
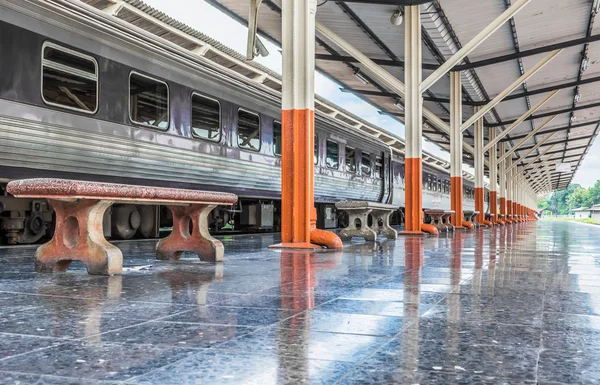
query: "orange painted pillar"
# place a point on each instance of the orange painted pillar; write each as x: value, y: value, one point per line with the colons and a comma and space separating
x: 413, y: 121
x: 494, y: 206
x: 456, y: 146
x: 297, y: 168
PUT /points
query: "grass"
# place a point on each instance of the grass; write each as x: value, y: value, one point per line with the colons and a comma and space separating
x: 589, y: 221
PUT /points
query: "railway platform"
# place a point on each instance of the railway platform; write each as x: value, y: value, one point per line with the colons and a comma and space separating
x: 516, y: 304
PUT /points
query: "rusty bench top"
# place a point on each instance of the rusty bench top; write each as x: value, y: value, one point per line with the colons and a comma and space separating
x: 358, y: 205
x: 65, y: 189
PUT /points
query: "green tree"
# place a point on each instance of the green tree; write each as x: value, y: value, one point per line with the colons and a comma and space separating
x: 595, y: 193
x: 579, y: 198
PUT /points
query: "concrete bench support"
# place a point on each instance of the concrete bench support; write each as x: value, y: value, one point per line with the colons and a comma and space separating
x: 358, y: 214
x: 78, y: 236
x: 80, y: 207
x: 446, y: 220
x: 436, y: 219
x: 198, y: 240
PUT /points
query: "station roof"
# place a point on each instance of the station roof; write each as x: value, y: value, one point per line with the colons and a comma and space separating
x: 138, y: 15
x: 540, y: 27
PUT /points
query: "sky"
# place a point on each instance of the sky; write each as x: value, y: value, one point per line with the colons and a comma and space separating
x: 209, y: 20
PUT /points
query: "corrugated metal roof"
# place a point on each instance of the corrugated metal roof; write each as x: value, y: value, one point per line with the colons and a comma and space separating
x: 449, y: 23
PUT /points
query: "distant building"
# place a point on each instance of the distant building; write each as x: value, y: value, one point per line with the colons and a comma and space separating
x: 584, y: 212
x: 595, y: 212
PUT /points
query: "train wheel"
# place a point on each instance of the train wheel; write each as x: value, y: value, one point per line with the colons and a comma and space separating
x: 126, y: 220
x: 147, y: 227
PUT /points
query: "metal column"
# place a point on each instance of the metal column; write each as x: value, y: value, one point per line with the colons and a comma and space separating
x: 509, y: 191
x: 297, y: 169
x: 413, y: 120
x: 456, y: 142
x: 493, y: 157
x: 479, y: 170
x: 502, y: 184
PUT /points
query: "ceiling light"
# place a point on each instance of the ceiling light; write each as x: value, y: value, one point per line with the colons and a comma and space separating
x: 398, y: 105
x: 397, y: 18
x: 577, y: 97
x: 360, y: 77
x: 596, y: 7
x: 585, y: 63
x: 573, y: 119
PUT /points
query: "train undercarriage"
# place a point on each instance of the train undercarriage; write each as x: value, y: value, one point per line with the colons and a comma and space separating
x: 29, y: 221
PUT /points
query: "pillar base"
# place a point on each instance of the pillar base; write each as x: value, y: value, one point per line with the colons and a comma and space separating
x: 297, y: 246
x: 413, y: 233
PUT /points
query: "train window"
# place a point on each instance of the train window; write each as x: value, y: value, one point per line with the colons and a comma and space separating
x: 248, y: 130
x: 429, y: 184
x: 350, y: 160
x: 206, y: 118
x: 316, y: 154
x: 378, y: 168
x: 148, y: 101
x: 439, y: 185
x: 277, y: 138
x: 365, y: 164
x: 333, y: 151
x: 69, y: 79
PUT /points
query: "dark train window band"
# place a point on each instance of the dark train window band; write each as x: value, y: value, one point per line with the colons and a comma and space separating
x: 206, y: 118
x: 365, y: 164
x: 350, y: 160
x: 69, y: 79
x: 248, y: 130
x: 333, y: 153
x: 277, y: 138
x: 148, y: 101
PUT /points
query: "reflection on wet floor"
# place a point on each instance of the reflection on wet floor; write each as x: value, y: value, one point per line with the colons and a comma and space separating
x: 514, y: 305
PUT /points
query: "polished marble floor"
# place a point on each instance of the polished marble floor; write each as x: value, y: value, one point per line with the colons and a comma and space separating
x: 513, y: 305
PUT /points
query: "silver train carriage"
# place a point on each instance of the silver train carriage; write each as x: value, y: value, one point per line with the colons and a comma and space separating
x: 80, y: 100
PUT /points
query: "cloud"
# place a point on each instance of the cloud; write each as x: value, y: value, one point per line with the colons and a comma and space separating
x: 589, y: 171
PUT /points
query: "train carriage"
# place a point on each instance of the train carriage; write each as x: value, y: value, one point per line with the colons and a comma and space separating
x: 79, y: 101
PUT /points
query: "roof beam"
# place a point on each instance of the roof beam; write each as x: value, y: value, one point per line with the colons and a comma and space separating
x: 550, y: 113
x: 474, y: 43
x: 392, y: 95
x: 568, y: 149
x: 535, y: 148
x: 523, y: 78
x: 382, y: 62
x: 560, y: 141
x: 508, y: 130
x: 526, y: 53
x: 516, y: 147
x: 556, y: 129
x: 385, y: 2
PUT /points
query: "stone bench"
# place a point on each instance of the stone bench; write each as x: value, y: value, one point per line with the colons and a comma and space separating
x: 79, y: 207
x: 358, y: 214
x: 469, y: 216
x: 446, y: 219
x: 436, y: 219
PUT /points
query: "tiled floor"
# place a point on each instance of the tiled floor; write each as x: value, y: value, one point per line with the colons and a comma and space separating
x: 514, y: 305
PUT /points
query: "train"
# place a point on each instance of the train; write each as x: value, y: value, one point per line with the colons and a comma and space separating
x: 80, y: 99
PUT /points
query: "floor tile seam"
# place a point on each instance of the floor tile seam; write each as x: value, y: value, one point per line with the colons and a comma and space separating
x: 52, y: 376
x: 221, y: 351
x: 345, y: 333
x: 36, y: 336
x: 48, y: 295
x: 397, y: 336
x: 272, y: 354
x: 142, y: 322
x: 446, y: 372
x: 65, y: 342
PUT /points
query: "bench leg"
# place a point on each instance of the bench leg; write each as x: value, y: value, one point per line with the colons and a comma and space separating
x: 365, y: 231
x: 190, y: 233
x: 79, y: 237
x: 385, y: 229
